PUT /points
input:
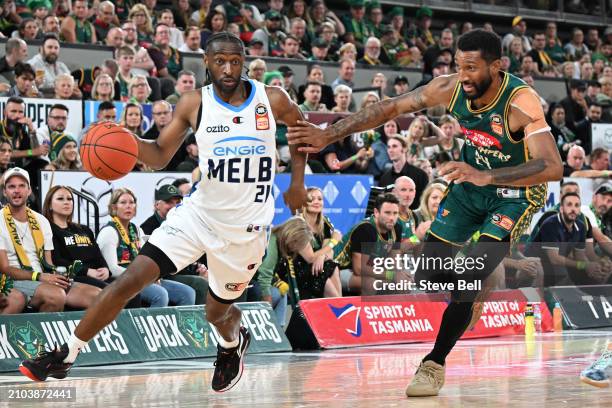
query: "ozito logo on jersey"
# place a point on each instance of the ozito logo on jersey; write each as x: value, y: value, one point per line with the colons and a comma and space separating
x: 218, y: 129
x: 350, y: 315
x: 237, y: 120
x: 262, y: 121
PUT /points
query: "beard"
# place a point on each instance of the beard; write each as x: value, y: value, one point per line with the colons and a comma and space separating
x: 480, y: 88
x: 226, y: 89
x: 51, y: 58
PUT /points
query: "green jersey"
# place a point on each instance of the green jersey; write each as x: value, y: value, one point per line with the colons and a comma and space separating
x: 489, y: 143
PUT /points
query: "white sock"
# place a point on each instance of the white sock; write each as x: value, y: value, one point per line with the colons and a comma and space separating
x: 227, y: 344
x: 75, y: 345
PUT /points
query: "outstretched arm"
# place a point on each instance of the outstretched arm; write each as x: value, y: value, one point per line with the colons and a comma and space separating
x: 438, y: 91
x: 286, y: 111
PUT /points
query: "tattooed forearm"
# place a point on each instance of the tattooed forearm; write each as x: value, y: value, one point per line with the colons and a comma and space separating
x: 522, y: 175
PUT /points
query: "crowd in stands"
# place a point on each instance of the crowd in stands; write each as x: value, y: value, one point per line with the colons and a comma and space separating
x: 307, y: 257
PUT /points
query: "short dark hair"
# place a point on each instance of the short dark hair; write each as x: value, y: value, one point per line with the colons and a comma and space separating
x: 106, y: 105
x: 21, y: 68
x: 224, y: 36
x: 385, y: 198
x: 59, y: 106
x: 320, y: 85
x: 290, y: 37
x: 180, y: 181
x: 570, y: 194
x: 594, y: 103
x: 597, y: 152
x: 489, y: 44
x: 5, y: 140
x: 47, y: 37
x: 15, y: 99
x: 568, y: 183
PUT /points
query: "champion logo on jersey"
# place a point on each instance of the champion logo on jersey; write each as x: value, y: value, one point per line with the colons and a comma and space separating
x: 262, y: 121
x: 238, y: 120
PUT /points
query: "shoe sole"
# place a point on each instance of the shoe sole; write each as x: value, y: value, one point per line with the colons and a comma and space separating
x: 26, y: 371
x: 598, y: 384
x: 239, y: 376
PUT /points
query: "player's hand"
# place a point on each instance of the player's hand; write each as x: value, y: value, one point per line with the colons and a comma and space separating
x: 295, y: 198
x: 310, y: 135
x: 55, y: 280
x: 460, y: 172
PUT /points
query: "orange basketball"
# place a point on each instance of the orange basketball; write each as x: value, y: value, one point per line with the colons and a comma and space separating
x: 108, y: 151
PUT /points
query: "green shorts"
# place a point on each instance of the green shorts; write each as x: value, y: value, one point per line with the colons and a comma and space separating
x: 466, y: 209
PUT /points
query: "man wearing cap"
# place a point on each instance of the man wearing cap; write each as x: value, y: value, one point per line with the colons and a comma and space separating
x: 397, y: 21
x: 167, y: 197
x: 375, y: 18
x: 600, y: 204
x: 430, y: 56
x: 519, y: 29
x: 423, y: 38
x: 271, y: 34
x: 256, y: 48
x: 401, y: 85
x: 27, y: 241
x: 320, y: 50
x: 291, y: 48
x: 278, y: 5
x: 288, y: 81
x: 575, y: 104
x: 394, y: 50
x: 357, y: 30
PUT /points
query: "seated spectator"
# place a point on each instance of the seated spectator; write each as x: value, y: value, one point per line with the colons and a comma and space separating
x: 57, y: 119
x: 192, y: 41
x: 349, y: 155
x: 77, y: 28
x: 185, y: 82
x: 27, y: 242
x: 132, y: 118
x: 215, y: 23
x: 319, y: 50
x: 421, y: 133
x: 347, y: 51
x: 298, y: 30
x: 51, y: 25
x: 425, y: 165
x: 125, y: 61
x: 404, y: 190
x: 66, y: 153
x: 369, y: 238
x: 380, y: 161
x: 12, y: 301
x: 575, y: 163
x: 245, y: 15
x: 288, y: 82
x: 162, y: 116
x: 396, y: 148
x: 74, y: 245
x: 368, y: 99
x: 27, y: 31
x: 166, y: 198
x: 342, y: 97
x: 167, y: 17
x: 575, y: 103
x: 257, y: 69
x: 600, y: 204
x: 291, y: 48
x: 115, y: 38
x: 25, y: 86
x: 516, y: 54
x: 198, y: 17
x: 15, y: 51
x: 312, y: 98
x: 450, y: 138
x: 182, y: 11
x: 65, y: 87
x: 371, y: 55
x: 576, y: 47
x: 271, y: 34
x: 357, y: 29
x: 139, y: 90
x: 314, y: 73
x: 320, y: 18
x: 401, y: 85
x: 379, y: 80
x: 5, y: 154
x: 103, y: 88
x: 120, y: 240
x: 346, y: 73
x: 584, y: 127
x: 191, y: 161
x: 141, y: 17
x: 183, y: 185
x: 430, y: 202
x: 105, y: 19
x: 256, y: 48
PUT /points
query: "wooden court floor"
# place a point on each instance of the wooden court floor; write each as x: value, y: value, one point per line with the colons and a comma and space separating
x: 495, y: 372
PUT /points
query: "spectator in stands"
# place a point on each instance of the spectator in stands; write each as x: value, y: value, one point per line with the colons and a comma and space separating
x: 357, y: 29
x: 396, y: 148
x: 185, y: 82
x: 576, y: 48
x: 167, y: 59
x: 586, y: 71
x: 288, y: 85
x: 297, y: 9
x: 320, y: 19
x: 139, y: 14
x: 256, y: 48
x: 14, y: 301
x: 430, y: 202
x: 575, y: 104
x: 125, y: 61
x: 601, y: 203
x: 583, y: 128
x: 257, y: 69
x: 27, y: 242
x: 291, y: 48
x: 554, y: 47
x: 107, y: 112
x: 312, y: 98
x: 342, y: 97
x: 278, y: 5
x: 315, y: 74
x: 271, y: 34
x: 114, y: 38
x: 396, y: 15
x: 519, y: 29
x: 566, y: 138
x: 346, y: 73
x: 368, y: 99
x: 450, y: 138
x: 24, y: 82
x: 560, y: 244
x: 599, y: 167
x: 120, y: 240
x: 421, y: 133
x: 166, y: 17
x: 198, y: 17
x: 246, y: 15
x: 103, y: 88
x: 538, y: 52
x: 369, y: 238
x: 400, y: 85
x: 139, y: 90
x: 604, y: 98
x: 192, y: 41
x: 74, y: 245
x: 142, y: 61
x: 66, y: 153
x: 528, y: 67
x: 423, y: 38
x: 28, y: 30
x: 40, y: 10
x: 380, y: 161
x: 371, y: 54
x: 76, y: 28
x: 6, y: 150
x: 516, y: 54
x: 298, y: 30
x: 404, y: 190
x: 593, y: 88
x: 181, y: 9
x: 320, y: 50
x: 215, y: 23
x: 575, y: 161
x: 105, y: 19
x: 430, y: 56
x: 167, y: 197
x: 184, y: 186
x: 374, y: 18
x: 162, y: 116
x: 273, y: 78
x: 347, y: 51
x: 349, y: 155
x: 47, y: 63
x: 132, y: 118
x: 66, y: 88
x: 16, y: 51
x: 51, y: 25
x: 57, y: 119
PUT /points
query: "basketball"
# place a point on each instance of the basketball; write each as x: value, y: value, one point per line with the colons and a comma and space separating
x: 108, y: 151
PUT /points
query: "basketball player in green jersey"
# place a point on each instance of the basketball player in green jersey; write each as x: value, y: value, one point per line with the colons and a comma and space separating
x: 508, y: 156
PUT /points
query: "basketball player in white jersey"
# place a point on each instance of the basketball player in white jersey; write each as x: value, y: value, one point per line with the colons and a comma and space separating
x: 227, y: 217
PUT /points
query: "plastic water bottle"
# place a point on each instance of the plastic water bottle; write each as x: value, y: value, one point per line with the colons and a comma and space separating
x: 61, y: 270
x: 537, y: 317
x: 557, y: 318
x: 529, y: 323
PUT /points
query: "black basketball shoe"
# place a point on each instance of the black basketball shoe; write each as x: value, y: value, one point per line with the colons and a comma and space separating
x: 230, y: 363
x: 47, y: 364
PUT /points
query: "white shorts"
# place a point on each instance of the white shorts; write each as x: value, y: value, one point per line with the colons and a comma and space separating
x: 184, y: 237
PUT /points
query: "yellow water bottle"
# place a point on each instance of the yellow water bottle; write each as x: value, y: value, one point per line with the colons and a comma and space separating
x: 529, y: 323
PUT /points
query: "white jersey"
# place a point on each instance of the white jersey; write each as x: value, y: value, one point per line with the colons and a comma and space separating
x: 237, y: 154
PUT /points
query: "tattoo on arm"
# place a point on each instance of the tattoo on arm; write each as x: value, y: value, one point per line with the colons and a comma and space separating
x: 508, y: 175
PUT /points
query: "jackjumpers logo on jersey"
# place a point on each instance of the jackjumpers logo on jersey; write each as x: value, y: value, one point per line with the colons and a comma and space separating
x: 481, y: 139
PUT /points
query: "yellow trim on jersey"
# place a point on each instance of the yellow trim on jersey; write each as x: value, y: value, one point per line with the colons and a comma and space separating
x: 492, y: 236
x: 445, y: 240
x: 451, y: 104
x: 490, y: 105
x: 518, y: 227
x: 507, y: 118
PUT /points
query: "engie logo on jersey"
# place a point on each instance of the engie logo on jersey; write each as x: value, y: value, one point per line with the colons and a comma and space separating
x: 262, y: 121
x: 227, y: 147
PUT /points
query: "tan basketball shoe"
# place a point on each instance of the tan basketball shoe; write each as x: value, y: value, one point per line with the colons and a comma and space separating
x: 427, y: 381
